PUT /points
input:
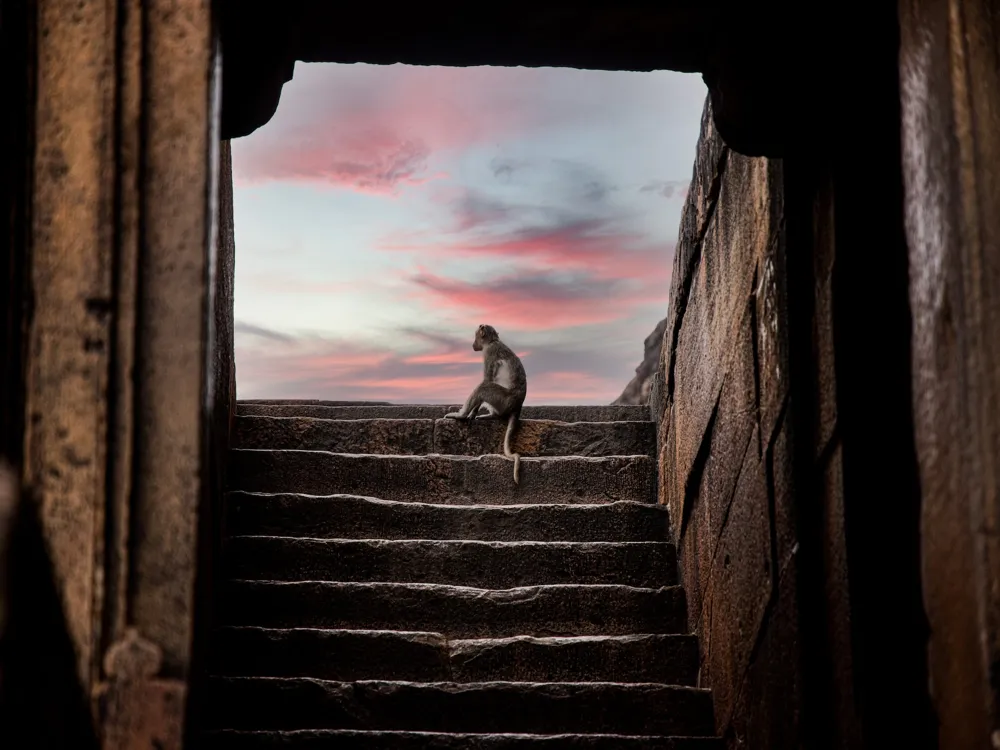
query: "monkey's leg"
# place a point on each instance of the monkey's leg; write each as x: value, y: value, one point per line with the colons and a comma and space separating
x: 471, y: 405
x: 496, y: 399
x: 491, y: 412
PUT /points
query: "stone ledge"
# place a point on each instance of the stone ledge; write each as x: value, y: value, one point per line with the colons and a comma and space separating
x: 430, y: 657
x: 348, y: 739
x: 497, y: 565
x: 445, y: 479
x: 457, y: 611
x: 553, y: 707
x: 446, y: 436
x: 354, y: 517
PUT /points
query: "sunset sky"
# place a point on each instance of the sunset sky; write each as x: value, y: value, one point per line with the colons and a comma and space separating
x: 386, y: 211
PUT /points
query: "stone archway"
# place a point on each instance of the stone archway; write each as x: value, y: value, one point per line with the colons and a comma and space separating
x: 117, y: 381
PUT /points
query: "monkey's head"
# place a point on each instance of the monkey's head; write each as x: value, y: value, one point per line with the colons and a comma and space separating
x: 485, y: 335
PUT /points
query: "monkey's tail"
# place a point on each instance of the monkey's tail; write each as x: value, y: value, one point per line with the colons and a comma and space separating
x: 511, y: 425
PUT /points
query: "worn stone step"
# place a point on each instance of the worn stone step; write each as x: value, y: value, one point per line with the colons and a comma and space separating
x: 354, y: 517
x: 307, y: 402
x: 463, y: 480
x: 339, y: 410
x: 423, y: 436
x: 543, y: 708
x: 349, y: 739
x: 496, y: 565
x: 457, y: 611
x: 430, y: 657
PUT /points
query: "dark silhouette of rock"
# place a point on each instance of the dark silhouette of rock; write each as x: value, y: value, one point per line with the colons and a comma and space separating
x: 637, y: 391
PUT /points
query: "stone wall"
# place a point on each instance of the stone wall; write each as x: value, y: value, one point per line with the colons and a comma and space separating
x: 720, y: 396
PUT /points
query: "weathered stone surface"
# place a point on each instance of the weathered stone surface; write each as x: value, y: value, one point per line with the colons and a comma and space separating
x: 742, y: 575
x: 286, y: 703
x: 461, y: 563
x: 696, y: 549
x: 337, y: 410
x: 445, y: 479
x: 733, y: 436
x: 348, y: 739
x: 112, y: 268
x: 785, y: 517
x: 951, y: 139
x: 737, y: 235
x: 352, y: 517
x: 430, y: 657
x: 768, y: 711
x: 706, y: 180
x: 535, y: 437
x: 457, y: 611
x: 445, y: 436
x: 734, y: 426
x: 670, y: 659
x: 771, y: 311
x: 330, y: 654
x: 384, y: 436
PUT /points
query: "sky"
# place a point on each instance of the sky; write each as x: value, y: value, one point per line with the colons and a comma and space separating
x: 385, y: 212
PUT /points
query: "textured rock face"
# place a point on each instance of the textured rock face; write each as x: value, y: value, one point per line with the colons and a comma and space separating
x: 720, y: 392
x: 389, y: 586
x: 638, y: 389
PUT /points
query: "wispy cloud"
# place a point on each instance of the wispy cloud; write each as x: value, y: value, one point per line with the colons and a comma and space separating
x: 577, y: 227
x: 533, y: 301
x: 248, y: 329
x: 374, y: 128
x: 667, y: 188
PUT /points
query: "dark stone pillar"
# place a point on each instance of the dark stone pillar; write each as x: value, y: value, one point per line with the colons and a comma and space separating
x: 950, y: 83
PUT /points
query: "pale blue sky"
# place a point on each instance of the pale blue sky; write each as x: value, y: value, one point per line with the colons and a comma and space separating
x: 386, y: 211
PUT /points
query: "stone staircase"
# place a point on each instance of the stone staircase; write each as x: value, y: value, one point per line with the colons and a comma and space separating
x: 389, y: 587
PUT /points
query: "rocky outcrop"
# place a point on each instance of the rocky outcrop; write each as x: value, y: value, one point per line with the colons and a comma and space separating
x: 637, y: 391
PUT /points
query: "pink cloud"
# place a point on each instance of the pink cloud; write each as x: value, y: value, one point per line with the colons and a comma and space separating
x: 445, y: 358
x: 373, y: 162
x: 611, y: 256
x: 536, y: 302
x: 589, y: 238
x: 374, y: 128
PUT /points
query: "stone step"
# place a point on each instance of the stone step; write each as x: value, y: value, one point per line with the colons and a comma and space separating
x: 349, y: 739
x: 423, y: 436
x: 463, y: 480
x: 543, y: 708
x: 307, y: 402
x: 340, y: 410
x: 457, y: 611
x: 495, y: 565
x: 430, y: 657
x: 354, y: 517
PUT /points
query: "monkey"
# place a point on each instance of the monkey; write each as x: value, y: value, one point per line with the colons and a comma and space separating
x: 502, y: 391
